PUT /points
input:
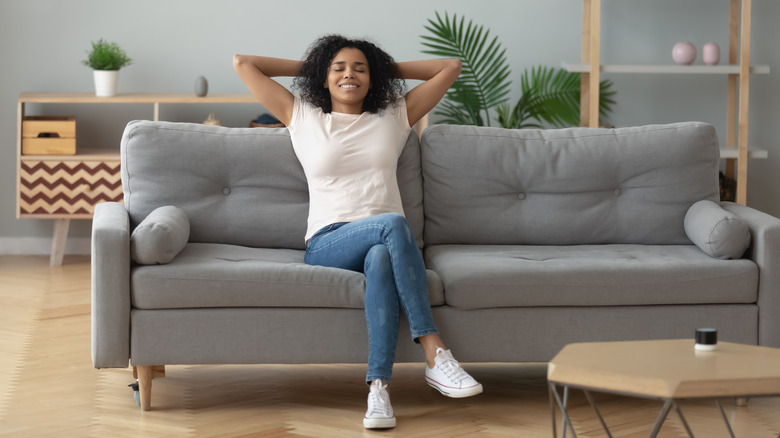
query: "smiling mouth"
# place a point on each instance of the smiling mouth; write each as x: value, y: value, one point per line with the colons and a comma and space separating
x: 349, y: 86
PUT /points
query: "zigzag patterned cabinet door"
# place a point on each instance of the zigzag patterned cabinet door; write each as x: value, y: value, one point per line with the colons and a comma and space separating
x: 67, y: 188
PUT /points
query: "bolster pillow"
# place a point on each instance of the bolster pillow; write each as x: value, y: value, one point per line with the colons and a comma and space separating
x: 160, y: 236
x: 717, y: 232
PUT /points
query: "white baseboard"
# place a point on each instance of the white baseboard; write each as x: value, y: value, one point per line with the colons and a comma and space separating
x: 42, y: 246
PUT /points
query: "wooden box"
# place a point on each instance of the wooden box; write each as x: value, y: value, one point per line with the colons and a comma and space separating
x: 48, y: 135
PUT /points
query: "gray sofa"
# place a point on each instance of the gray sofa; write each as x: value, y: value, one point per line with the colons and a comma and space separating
x: 533, y: 239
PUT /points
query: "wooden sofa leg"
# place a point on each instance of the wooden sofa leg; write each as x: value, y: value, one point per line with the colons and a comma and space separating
x: 145, y: 386
x: 145, y: 382
x: 157, y: 371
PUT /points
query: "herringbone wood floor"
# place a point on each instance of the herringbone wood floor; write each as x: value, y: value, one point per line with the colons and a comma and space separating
x: 49, y: 387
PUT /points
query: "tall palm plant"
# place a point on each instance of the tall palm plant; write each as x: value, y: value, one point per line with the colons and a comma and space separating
x: 483, y: 81
x: 552, y: 96
x: 549, y: 95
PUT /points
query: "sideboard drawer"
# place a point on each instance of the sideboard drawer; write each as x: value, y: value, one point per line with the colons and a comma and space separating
x: 67, y: 187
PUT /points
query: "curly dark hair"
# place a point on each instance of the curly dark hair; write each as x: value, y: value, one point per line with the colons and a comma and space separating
x: 386, y: 83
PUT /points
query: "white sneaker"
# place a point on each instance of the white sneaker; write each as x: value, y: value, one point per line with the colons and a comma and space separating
x: 380, y: 413
x: 450, y: 378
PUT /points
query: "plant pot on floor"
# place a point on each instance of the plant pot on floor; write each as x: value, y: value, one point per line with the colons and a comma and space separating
x: 106, y: 82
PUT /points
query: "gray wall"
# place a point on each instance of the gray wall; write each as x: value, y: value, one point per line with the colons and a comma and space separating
x: 42, y: 43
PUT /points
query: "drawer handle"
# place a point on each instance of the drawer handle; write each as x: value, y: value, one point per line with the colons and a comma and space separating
x: 48, y: 135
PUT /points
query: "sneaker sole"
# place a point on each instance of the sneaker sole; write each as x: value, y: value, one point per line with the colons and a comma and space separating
x: 379, y: 423
x: 455, y: 392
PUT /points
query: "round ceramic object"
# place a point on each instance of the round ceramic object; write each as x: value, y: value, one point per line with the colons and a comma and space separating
x: 710, y: 54
x: 684, y: 53
x: 201, y: 86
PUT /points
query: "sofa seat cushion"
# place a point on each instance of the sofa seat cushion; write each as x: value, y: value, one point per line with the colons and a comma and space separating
x: 207, y: 275
x: 488, y: 276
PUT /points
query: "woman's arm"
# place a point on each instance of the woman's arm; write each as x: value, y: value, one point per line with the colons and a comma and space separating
x: 438, y: 74
x: 257, y: 71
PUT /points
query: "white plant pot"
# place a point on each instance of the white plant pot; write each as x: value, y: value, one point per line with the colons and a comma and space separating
x: 105, y: 82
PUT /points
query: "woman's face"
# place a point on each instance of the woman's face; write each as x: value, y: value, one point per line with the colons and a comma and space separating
x: 348, y: 80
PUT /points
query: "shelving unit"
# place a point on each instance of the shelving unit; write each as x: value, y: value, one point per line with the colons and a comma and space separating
x: 738, y: 71
x: 65, y: 187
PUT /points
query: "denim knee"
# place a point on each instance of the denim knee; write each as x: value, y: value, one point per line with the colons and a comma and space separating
x: 398, y: 223
x: 378, y: 258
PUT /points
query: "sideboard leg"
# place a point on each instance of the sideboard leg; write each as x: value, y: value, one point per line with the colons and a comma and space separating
x: 59, y: 240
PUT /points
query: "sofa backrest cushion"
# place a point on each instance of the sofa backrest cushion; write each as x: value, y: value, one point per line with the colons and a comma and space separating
x: 241, y: 186
x: 566, y: 186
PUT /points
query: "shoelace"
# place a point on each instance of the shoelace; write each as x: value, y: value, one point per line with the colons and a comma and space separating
x: 452, y: 369
x: 378, y: 403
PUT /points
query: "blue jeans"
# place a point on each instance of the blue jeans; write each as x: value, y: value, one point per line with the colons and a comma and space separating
x: 382, y: 247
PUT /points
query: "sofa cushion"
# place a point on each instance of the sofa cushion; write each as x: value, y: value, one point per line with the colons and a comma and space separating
x: 717, y: 232
x: 565, y: 186
x: 217, y: 275
x: 486, y: 276
x: 160, y: 236
x: 241, y: 186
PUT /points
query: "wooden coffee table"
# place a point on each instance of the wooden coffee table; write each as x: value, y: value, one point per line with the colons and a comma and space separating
x: 668, y: 370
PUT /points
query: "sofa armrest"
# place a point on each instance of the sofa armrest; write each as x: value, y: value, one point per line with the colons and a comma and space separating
x: 764, y: 250
x: 110, y: 286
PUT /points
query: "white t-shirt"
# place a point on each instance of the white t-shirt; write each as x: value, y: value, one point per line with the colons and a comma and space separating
x: 350, y: 161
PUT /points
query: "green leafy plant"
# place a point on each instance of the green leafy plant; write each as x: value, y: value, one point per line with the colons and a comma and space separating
x: 106, y: 56
x: 483, y: 81
x: 552, y: 96
x: 549, y: 95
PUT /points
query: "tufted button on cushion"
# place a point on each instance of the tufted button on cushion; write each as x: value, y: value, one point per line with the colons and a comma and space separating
x: 521, y: 196
x: 226, y: 191
x: 616, y: 192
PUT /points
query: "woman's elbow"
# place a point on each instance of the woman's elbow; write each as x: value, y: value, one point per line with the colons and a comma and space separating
x: 238, y: 61
x: 456, y: 64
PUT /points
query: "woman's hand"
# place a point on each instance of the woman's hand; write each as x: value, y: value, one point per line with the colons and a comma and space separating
x: 257, y: 71
x: 438, y: 74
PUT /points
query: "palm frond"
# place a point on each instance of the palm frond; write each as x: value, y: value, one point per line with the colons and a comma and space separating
x: 552, y: 96
x: 485, y: 70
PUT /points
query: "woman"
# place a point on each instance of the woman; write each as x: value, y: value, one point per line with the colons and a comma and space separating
x: 348, y: 128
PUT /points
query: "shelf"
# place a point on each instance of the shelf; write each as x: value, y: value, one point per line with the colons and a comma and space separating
x: 671, y: 69
x: 134, y: 98
x: 752, y: 153
x: 81, y: 155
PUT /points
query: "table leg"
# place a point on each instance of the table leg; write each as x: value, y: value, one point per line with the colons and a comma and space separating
x: 562, y: 404
x: 682, y: 418
x: 661, y: 418
x: 552, y: 410
x: 58, y: 242
x: 725, y: 419
x: 598, y: 413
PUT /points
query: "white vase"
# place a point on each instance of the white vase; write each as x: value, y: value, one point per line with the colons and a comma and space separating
x: 105, y: 82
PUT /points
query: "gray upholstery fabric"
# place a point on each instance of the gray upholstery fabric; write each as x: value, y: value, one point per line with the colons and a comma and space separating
x: 486, y: 276
x: 241, y: 186
x: 207, y: 275
x: 308, y: 335
x: 764, y: 250
x: 110, y: 286
x: 160, y: 236
x: 536, y: 334
x: 715, y: 231
x: 565, y: 186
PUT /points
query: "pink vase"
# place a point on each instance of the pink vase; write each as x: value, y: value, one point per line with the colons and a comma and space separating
x: 684, y: 53
x: 710, y: 54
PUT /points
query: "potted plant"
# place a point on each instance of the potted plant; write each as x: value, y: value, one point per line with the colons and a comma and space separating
x: 549, y: 95
x: 106, y: 58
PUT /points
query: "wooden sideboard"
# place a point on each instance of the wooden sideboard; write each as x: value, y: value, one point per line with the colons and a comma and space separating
x: 65, y: 187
